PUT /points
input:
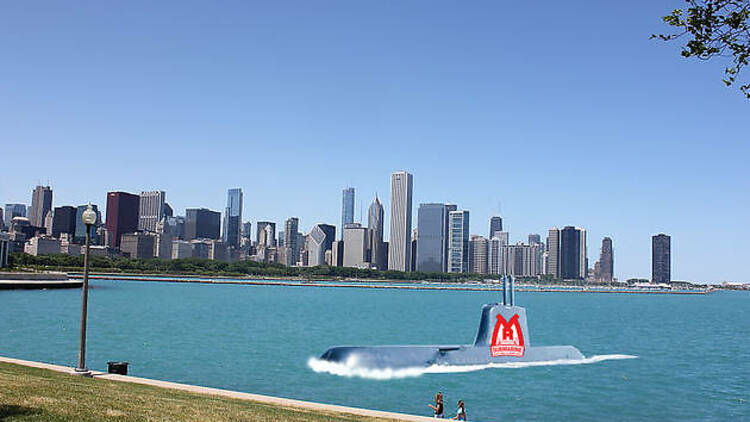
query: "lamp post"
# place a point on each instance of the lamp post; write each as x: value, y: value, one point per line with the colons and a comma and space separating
x: 89, y: 219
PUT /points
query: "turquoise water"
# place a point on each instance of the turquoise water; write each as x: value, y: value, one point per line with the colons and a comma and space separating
x: 693, y: 351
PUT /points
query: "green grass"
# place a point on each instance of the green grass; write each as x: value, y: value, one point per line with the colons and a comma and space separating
x: 32, y: 394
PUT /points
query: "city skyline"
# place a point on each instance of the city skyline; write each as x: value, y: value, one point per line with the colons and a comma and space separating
x: 372, y: 102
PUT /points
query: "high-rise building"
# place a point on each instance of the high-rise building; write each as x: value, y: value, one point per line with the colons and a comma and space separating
x: 2, y: 221
x: 291, y: 241
x: 320, y: 240
x: 13, y: 210
x: 201, y: 223
x: 432, y: 222
x: 356, y: 246
x: 41, y: 204
x: 553, y: 253
x: 122, y: 215
x: 458, y: 248
x: 534, y: 238
x: 522, y: 260
x: 661, y: 262
x: 495, y: 263
x: 606, y: 261
x: 233, y: 218
x: 151, y: 209
x: 375, y: 223
x: 496, y: 225
x: 478, y: 251
x: 572, y: 254
x: 64, y: 221
x: 265, y: 235
x: 138, y: 245
x: 347, y: 208
x: 80, y: 233
x: 399, y: 244
x: 246, y: 234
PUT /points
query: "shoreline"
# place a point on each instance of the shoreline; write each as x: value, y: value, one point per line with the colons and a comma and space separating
x: 364, y: 284
x: 210, y: 391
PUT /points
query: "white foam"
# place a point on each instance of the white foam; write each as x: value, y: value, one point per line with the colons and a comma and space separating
x: 350, y: 369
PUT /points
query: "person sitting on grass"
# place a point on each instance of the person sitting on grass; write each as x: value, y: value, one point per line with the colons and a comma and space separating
x: 460, y: 412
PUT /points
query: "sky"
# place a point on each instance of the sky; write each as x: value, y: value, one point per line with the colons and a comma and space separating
x: 547, y: 113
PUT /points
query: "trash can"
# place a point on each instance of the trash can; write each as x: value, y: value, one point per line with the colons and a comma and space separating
x: 120, y: 368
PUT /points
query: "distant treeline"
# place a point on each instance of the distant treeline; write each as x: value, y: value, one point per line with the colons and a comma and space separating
x: 201, y: 266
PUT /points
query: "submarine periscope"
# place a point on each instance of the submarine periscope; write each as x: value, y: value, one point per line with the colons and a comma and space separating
x: 502, y: 337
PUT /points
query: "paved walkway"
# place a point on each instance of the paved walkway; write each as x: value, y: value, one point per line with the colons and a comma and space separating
x: 277, y: 401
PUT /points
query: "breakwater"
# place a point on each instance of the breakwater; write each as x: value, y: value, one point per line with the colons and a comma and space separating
x: 389, y: 285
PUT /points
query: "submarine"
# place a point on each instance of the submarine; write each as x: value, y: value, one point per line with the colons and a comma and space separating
x: 502, y: 337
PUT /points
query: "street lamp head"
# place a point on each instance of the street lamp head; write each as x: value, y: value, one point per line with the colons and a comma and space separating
x: 89, y: 216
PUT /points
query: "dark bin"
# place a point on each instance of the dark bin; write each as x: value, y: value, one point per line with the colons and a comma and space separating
x: 120, y: 368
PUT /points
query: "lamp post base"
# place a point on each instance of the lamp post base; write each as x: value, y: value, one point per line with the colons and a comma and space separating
x: 82, y: 372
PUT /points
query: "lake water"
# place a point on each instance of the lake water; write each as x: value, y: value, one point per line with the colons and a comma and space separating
x: 693, y: 351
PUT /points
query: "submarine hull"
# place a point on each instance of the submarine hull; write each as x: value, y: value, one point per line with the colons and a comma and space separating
x: 503, y: 337
x: 400, y: 357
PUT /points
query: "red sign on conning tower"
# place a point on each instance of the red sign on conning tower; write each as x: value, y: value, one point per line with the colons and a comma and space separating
x: 507, y: 338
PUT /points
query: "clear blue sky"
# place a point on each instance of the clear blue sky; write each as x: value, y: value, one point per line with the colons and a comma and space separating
x: 565, y: 113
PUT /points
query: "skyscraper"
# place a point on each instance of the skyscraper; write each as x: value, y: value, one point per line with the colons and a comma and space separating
x: 122, y: 215
x: 375, y: 223
x: 321, y: 240
x: 534, y: 238
x: 458, y: 248
x: 432, y: 221
x: 265, y: 235
x: 347, y: 208
x: 495, y: 263
x: 202, y: 223
x: 496, y: 225
x: 572, y: 255
x: 522, y: 260
x: 233, y: 218
x: 64, y: 221
x: 606, y: 260
x: 661, y: 262
x: 13, y: 210
x: 356, y: 250
x: 41, y: 204
x: 553, y: 253
x: 151, y: 209
x: 399, y: 247
x: 291, y: 241
x: 478, y: 250
x: 80, y: 233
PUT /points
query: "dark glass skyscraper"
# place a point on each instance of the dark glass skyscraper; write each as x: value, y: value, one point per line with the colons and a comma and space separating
x: 661, y: 262
x: 572, y: 255
x: 496, y: 225
x: 432, y: 222
x: 347, y: 208
x: 122, y: 215
x: 606, y: 260
x: 201, y: 223
x: 64, y: 221
x: 233, y: 218
x: 80, y: 233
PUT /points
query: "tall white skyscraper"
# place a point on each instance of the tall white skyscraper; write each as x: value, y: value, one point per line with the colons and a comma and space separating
x: 497, y: 243
x: 458, y: 249
x: 151, y: 209
x: 399, y: 247
x: 347, y: 208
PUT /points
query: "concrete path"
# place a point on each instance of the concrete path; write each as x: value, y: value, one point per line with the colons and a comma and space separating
x: 276, y: 401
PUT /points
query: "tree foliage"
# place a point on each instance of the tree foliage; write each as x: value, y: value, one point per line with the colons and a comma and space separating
x: 714, y: 28
x: 199, y: 266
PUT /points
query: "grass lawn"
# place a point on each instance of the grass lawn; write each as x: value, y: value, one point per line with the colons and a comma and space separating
x: 32, y: 394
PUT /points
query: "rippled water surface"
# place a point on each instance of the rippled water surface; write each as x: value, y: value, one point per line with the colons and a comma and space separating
x: 693, y: 351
